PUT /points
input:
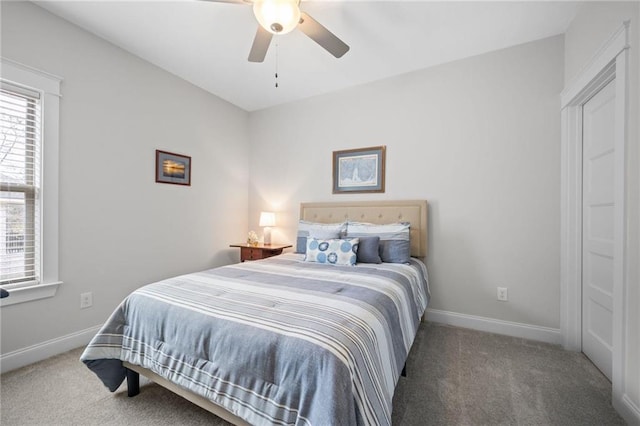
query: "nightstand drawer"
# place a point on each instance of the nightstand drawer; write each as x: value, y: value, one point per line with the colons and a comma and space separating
x: 260, y: 251
x: 249, y: 253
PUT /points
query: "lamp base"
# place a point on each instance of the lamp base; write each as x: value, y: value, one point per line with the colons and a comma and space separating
x: 267, y: 236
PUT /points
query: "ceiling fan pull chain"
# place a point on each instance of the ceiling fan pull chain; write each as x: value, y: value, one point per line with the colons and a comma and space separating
x: 276, y: 64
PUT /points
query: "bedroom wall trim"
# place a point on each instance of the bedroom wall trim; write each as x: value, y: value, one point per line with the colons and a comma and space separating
x: 586, y: 78
x: 629, y: 410
x: 609, y: 63
x: 492, y: 325
x: 29, y: 355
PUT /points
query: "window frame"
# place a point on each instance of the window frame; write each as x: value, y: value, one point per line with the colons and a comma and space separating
x: 48, y: 85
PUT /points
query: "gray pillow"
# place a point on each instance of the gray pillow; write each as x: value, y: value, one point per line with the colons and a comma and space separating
x: 395, y: 251
x: 395, y: 244
x: 301, y: 245
x: 368, y: 250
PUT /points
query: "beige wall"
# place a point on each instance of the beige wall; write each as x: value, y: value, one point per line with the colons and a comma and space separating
x: 118, y: 228
x: 479, y: 138
x: 594, y: 24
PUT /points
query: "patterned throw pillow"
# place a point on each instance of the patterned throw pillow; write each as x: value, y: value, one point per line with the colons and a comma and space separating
x: 322, y: 231
x: 332, y: 251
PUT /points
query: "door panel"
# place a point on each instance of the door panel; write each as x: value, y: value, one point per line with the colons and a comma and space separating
x: 601, y: 272
x: 600, y: 322
x: 598, y: 227
x: 602, y: 177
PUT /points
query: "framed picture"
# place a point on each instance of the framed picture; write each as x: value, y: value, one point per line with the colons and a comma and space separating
x: 173, y: 168
x: 359, y: 170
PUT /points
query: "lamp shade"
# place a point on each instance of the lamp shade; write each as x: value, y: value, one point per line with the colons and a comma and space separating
x: 277, y: 16
x: 267, y: 219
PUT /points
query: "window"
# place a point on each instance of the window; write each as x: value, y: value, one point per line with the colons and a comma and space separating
x: 28, y: 191
x: 20, y: 120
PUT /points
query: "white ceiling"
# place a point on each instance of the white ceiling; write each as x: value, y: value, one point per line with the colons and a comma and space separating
x: 207, y: 43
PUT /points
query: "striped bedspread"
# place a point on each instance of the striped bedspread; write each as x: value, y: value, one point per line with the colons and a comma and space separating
x: 277, y: 341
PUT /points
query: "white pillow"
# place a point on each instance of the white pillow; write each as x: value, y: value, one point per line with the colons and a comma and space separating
x: 318, y: 230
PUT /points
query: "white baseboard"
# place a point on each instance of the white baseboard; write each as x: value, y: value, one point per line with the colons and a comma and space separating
x: 628, y: 409
x: 491, y: 325
x: 38, y: 352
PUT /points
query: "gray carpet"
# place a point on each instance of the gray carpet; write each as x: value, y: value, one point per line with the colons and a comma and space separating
x: 455, y: 377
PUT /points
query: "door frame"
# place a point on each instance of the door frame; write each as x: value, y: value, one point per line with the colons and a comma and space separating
x: 610, y: 62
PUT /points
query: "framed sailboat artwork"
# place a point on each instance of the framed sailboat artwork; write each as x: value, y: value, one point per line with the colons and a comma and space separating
x: 359, y: 170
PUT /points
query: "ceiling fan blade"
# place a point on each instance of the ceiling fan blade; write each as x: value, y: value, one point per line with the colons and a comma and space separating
x: 260, y: 45
x: 322, y: 36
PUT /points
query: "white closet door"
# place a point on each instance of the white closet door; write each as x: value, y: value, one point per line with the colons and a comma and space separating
x: 598, y: 225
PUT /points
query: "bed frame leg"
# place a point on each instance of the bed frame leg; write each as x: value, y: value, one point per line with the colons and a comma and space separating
x: 133, y: 383
x: 404, y: 370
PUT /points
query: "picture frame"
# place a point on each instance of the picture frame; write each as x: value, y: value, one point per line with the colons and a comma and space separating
x: 173, y: 168
x: 359, y: 170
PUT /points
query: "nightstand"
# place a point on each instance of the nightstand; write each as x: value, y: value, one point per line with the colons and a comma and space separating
x: 261, y: 251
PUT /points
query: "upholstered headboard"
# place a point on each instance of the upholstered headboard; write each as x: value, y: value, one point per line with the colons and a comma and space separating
x: 378, y: 212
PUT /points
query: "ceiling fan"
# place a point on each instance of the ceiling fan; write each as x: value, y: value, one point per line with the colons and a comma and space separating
x: 283, y: 16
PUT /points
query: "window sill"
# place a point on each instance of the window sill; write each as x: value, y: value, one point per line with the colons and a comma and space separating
x: 27, y: 294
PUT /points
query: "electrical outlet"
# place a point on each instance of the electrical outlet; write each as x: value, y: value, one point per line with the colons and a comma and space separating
x: 503, y: 296
x: 86, y: 300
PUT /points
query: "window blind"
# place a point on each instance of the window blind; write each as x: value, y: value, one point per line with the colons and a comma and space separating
x: 20, y: 146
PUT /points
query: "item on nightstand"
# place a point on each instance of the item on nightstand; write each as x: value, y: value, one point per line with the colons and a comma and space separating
x: 267, y: 220
x: 252, y: 238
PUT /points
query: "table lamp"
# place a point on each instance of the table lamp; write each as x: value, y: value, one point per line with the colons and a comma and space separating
x: 267, y: 220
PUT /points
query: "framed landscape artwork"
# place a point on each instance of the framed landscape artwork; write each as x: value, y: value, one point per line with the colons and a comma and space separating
x: 173, y: 168
x: 359, y: 170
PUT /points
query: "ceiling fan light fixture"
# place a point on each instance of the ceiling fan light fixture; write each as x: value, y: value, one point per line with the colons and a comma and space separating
x: 277, y: 16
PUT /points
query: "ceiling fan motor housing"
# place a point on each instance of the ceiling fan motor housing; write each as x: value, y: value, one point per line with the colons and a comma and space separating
x: 277, y: 16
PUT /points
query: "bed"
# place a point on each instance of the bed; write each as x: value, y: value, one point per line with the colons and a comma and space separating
x: 280, y: 340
